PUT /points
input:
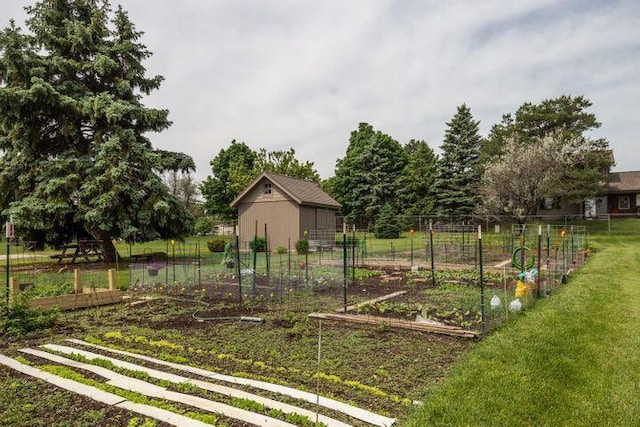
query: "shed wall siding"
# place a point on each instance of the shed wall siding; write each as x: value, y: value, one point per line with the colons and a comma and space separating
x: 286, y: 221
x: 281, y: 218
x: 316, y: 218
x: 307, y: 218
x: 326, y: 219
x: 258, y: 195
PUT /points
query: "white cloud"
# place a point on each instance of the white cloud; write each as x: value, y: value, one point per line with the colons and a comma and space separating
x: 303, y: 74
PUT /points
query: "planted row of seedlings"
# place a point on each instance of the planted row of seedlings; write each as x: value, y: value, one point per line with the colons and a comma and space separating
x: 131, y: 366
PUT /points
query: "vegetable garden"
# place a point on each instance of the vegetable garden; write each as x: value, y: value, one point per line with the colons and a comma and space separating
x: 196, y: 312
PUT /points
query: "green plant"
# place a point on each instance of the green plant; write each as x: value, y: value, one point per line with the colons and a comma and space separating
x: 133, y: 396
x: 258, y: 244
x: 281, y: 250
x: 291, y: 317
x: 595, y: 319
x: 588, y: 247
x: 49, y: 290
x: 216, y: 245
x: 363, y: 273
x: 384, y: 327
x: 18, y: 319
x: 302, y: 246
x: 94, y: 415
x: 387, y: 225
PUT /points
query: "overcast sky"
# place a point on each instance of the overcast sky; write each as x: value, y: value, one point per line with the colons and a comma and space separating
x: 282, y: 73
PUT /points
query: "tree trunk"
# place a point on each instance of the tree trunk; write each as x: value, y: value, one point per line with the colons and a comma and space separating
x: 109, y: 251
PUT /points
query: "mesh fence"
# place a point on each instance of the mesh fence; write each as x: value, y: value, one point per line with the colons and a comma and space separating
x: 438, y: 268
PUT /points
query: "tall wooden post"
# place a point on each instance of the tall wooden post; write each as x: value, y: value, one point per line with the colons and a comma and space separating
x: 113, y: 279
x: 14, y: 287
x: 77, y: 282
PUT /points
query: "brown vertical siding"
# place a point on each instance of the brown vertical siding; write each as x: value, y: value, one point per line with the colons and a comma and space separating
x: 281, y: 219
x: 326, y: 219
x: 286, y: 220
x: 307, y: 218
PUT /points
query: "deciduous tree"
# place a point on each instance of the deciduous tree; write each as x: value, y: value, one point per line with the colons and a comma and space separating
x: 232, y: 170
x: 285, y: 163
x: 183, y: 186
x: 514, y: 184
x: 235, y: 167
x: 565, y: 118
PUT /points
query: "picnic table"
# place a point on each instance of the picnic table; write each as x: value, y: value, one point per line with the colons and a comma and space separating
x: 86, y: 249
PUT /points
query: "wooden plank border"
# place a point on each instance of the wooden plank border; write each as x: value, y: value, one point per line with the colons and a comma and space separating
x: 372, y: 301
x: 397, y: 324
x: 82, y: 298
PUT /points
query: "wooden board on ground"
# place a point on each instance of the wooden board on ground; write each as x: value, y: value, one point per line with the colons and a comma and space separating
x: 398, y: 324
x: 73, y: 301
x: 372, y: 301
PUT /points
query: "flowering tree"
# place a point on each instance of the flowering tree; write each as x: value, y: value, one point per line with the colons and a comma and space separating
x: 515, y: 183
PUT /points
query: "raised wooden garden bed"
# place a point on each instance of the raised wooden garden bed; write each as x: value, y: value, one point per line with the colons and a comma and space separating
x: 83, y: 297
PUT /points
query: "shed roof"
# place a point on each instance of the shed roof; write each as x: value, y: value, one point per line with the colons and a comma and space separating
x: 303, y: 192
x: 624, y: 182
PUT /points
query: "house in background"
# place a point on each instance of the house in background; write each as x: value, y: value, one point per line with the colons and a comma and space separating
x: 288, y: 206
x: 621, y: 197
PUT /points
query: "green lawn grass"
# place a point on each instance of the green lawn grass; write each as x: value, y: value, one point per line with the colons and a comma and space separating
x: 573, y: 360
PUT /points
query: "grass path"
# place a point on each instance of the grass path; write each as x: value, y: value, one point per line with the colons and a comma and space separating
x: 574, y: 360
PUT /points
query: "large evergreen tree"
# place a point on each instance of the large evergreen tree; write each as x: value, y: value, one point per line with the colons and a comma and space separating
x: 369, y: 176
x: 419, y: 174
x: 76, y: 161
x: 458, y: 173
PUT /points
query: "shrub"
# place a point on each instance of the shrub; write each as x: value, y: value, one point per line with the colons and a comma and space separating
x: 216, y: 245
x: 387, y: 225
x: 204, y: 225
x: 259, y: 244
x: 281, y: 250
x: 18, y: 318
x: 302, y: 246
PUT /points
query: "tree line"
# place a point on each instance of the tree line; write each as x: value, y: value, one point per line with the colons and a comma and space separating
x: 76, y: 159
x: 541, y: 151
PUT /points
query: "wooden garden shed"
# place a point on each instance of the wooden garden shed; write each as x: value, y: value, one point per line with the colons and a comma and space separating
x: 288, y: 206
